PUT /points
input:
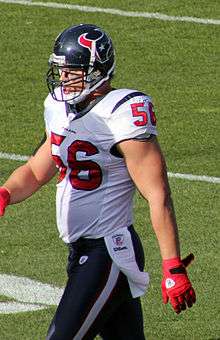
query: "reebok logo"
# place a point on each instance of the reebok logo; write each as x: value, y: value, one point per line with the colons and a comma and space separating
x: 169, y: 283
x: 83, y: 259
x: 69, y: 130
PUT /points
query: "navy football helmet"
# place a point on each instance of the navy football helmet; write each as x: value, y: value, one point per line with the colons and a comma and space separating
x: 83, y: 47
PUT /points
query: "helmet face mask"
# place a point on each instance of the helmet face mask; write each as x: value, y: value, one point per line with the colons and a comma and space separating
x: 86, y: 53
x: 67, y: 87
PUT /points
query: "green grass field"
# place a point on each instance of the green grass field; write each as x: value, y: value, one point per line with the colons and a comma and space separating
x: 177, y: 63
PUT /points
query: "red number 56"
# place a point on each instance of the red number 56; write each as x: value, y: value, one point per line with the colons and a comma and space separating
x: 140, y: 110
x: 94, y: 173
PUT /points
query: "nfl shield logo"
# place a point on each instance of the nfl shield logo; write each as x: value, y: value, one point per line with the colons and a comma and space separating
x: 118, y: 240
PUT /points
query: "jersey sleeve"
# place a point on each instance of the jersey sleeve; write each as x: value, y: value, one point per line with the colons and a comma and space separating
x: 133, y: 119
x: 47, y: 115
x: 51, y: 113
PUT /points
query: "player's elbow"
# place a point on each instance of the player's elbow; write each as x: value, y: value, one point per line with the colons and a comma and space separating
x: 41, y: 172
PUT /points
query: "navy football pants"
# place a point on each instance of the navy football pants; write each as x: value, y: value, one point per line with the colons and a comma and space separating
x: 97, y: 298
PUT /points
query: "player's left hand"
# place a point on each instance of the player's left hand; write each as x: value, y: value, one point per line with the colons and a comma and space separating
x: 176, y: 285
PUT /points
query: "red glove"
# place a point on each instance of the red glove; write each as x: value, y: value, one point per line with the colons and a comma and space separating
x: 176, y: 285
x: 4, y: 200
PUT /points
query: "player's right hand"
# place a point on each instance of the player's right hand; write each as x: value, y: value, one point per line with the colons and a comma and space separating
x: 4, y: 199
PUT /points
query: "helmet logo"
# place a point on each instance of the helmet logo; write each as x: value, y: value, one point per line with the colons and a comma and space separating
x: 91, y: 44
x: 85, y: 42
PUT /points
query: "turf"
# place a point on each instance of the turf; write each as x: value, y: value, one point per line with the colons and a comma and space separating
x: 197, y: 9
x: 177, y: 64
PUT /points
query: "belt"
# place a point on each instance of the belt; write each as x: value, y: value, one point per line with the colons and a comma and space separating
x: 86, y: 242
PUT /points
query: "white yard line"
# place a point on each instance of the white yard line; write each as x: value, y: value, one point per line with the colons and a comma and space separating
x: 27, y: 294
x: 190, y: 177
x: 13, y: 157
x: 147, y: 15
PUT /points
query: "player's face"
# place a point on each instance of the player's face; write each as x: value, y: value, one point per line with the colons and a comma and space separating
x: 73, y: 80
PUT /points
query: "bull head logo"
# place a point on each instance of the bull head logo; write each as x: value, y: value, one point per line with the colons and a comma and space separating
x: 91, y: 43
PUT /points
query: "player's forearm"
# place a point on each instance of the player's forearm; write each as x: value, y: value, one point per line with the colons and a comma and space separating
x: 165, y: 227
x: 21, y: 184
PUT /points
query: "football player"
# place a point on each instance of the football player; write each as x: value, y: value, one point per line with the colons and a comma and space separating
x: 102, y: 142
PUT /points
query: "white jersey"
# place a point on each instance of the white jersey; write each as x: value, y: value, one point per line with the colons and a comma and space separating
x: 95, y: 191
